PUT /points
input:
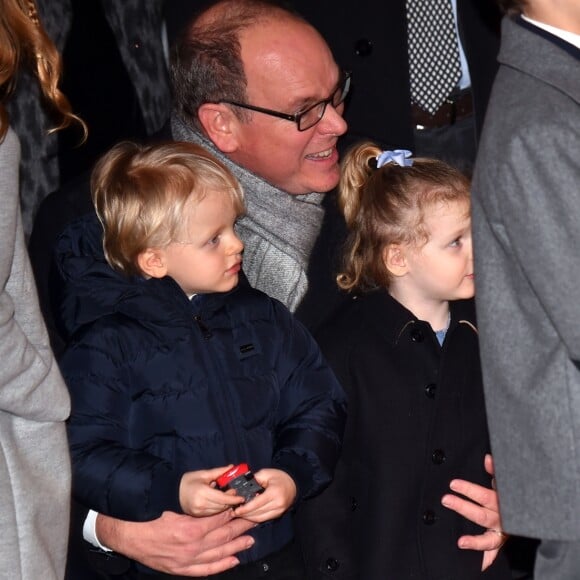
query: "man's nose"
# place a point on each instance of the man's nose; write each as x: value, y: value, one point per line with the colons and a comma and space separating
x: 332, y: 121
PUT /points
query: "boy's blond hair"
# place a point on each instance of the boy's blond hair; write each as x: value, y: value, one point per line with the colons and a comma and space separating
x: 140, y: 194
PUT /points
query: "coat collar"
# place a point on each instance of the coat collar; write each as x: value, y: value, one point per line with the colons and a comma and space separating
x: 392, y: 319
x: 557, y: 65
x: 93, y: 290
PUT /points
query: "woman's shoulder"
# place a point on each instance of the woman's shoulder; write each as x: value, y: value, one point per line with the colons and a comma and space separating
x: 9, y: 163
x: 9, y: 145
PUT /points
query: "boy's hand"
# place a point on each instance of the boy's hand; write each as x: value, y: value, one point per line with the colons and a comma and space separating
x: 279, y: 495
x: 199, y: 497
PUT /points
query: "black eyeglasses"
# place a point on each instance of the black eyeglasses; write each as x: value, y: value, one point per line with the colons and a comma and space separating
x: 313, y: 114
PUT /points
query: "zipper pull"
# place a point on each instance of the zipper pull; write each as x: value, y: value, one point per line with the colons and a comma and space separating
x: 205, y: 331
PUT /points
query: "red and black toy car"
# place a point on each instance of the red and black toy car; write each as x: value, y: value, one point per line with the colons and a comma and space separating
x: 242, y: 480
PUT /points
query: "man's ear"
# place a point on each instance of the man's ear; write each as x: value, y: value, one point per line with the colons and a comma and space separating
x: 395, y: 259
x: 219, y: 123
x: 152, y: 262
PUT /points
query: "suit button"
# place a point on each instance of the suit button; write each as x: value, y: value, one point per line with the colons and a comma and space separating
x: 353, y: 503
x: 332, y: 565
x: 430, y: 390
x: 363, y: 47
x: 438, y: 456
x: 429, y: 517
x: 417, y: 335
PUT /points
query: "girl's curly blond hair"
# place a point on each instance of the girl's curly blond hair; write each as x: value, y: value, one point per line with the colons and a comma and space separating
x: 387, y: 206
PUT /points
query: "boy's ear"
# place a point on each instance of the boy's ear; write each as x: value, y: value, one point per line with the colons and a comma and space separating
x: 220, y: 124
x: 395, y: 259
x: 152, y: 262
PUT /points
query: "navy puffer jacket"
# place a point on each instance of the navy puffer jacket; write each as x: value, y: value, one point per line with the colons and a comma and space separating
x: 162, y: 385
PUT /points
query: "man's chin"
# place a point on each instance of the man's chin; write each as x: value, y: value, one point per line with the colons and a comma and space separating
x: 327, y: 182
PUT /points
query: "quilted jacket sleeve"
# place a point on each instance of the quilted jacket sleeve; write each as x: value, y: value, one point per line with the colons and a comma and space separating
x: 110, y: 476
x: 311, y: 412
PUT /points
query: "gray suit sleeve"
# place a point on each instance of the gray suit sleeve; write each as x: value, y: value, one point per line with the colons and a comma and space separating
x: 542, y: 168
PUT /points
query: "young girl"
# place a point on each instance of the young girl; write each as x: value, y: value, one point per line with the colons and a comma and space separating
x: 405, y: 349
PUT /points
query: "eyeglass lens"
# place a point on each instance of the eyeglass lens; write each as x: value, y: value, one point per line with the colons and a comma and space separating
x: 312, y: 116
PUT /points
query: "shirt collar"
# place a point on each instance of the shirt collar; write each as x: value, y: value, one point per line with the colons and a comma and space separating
x: 566, y: 36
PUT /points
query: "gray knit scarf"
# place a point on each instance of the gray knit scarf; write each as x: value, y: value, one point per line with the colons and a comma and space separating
x: 279, y: 229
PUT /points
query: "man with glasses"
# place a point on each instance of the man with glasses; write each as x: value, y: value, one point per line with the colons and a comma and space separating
x: 268, y: 104
x: 259, y: 88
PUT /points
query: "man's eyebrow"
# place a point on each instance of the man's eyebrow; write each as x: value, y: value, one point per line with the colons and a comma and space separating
x: 304, y: 102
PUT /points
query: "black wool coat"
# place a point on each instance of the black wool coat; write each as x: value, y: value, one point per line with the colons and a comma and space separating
x: 416, y: 420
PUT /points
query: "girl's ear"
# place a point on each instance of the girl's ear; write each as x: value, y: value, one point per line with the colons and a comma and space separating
x: 152, y: 262
x: 220, y: 124
x: 395, y: 259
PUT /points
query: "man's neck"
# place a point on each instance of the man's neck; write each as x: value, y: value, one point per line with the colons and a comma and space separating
x: 559, y: 17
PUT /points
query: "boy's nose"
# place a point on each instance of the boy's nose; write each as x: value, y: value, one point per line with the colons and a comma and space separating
x: 237, y: 246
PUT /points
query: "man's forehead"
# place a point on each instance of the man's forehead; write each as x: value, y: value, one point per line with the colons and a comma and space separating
x: 288, y: 57
x: 283, y: 43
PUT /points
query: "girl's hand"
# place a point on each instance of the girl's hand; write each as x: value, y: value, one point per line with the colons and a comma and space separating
x: 279, y: 494
x: 482, y: 508
x: 199, y: 497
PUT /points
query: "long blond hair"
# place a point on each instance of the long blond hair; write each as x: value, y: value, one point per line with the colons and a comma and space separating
x: 23, y: 41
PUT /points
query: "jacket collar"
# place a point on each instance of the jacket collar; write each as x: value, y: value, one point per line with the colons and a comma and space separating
x: 92, y: 289
x: 557, y: 65
x: 392, y: 319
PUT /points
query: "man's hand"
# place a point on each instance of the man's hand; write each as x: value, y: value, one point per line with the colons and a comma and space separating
x: 179, y: 544
x: 482, y: 508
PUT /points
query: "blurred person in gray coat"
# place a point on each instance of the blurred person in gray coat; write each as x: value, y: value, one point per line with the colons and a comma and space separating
x: 526, y: 222
x: 34, y: 401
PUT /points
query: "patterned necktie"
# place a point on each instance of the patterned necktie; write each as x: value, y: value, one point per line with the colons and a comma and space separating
x: 434, y: 64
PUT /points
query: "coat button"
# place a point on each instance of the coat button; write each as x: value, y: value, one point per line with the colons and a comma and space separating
x: 332, y: 565
x: 417, y: 335
x: 363, y: 47
x: 430, y: 390
x: 429, y: 517
x: 438, y: 456
x: 353, y: 503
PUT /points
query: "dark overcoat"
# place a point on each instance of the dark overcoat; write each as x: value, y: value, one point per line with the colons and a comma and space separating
x: 416, y: 420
